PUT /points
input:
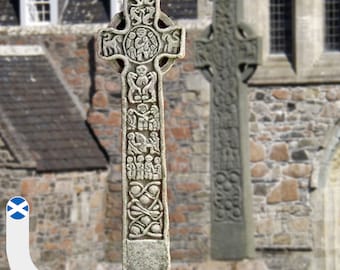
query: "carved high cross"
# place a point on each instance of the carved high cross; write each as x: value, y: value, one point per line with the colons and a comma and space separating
x: 228, y: 56
x: 147, y: 42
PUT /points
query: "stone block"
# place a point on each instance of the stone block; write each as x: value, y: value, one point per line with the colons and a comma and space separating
x: 282, y: 239
x: 281, y: 94
x: 96, y: 118
x: 257, y: 151
x: 155, y: 251
x: 279, y: 152
x: 298, y: 170
x: 290, y: 190
x: 100, y: 100
x: 274, y: 195
x: 114, y: 119
x: 300, y: 155
x: 265, y: 226
x: 259, y: 170
x: 28, y: 187
x: 299, y: 225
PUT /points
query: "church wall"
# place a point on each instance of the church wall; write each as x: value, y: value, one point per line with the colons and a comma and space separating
x: 97, y: 86
x: 288, y: 129
x: 67, y: 217
x: 287, y: 126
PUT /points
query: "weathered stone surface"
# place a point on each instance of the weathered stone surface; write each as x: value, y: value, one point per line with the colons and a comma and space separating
x: 290, y: 190
x: 299, y: 155
x: 147, y: 254
x: 279, y: 152
x: 259, y: 170
x: 257, y: 151
x: 227, y: 47
x: 282, y: 239
x: 142, y: 45
x: 298, y: 170
x: 275, y: 195
x: 100, y: 100
x: 287, y: 190
x: 281, y: 94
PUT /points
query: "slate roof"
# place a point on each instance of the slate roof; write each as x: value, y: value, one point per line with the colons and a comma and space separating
x: 38, y: 113
x: 80, y: 11
x: 180, y: 9
x: 9, y: 12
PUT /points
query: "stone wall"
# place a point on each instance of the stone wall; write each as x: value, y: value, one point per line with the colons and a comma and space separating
x: 67, y: 217
x: 287, y: 128
x: 96, y: 84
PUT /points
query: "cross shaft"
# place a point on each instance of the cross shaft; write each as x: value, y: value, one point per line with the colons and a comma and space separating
x: 228, y: 56
x: 148, y: 51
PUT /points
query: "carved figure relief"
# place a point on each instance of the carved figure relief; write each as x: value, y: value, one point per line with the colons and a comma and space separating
x: 131, y: 169
x: 227, y: 46
x: 140, y: 167
x: 111, y: 43
x: 145, y: 210
x: 144, y: 168
x: 154, y: 143
x: 171, y: 41
x: 140, y: 14
x: 137, y: 143
x: 154, y: 118
x: 142, y: 85
x: 143, y: 118
x: 141, y: 44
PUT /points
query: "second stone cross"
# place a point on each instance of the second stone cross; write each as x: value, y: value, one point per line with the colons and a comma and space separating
x: 146, y: 43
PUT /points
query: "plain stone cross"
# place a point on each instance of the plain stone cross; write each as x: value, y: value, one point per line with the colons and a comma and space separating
x: 146, y: 42
x: 228, y: 56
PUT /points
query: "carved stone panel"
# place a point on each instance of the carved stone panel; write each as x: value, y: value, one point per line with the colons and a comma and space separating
x: 142, y: 45
x: 228, y: 56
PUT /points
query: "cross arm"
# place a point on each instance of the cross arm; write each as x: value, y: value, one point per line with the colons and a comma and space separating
x: 249, y: 51
x: 203, y: 49
x: 110, y: 44
x: 172, y: 46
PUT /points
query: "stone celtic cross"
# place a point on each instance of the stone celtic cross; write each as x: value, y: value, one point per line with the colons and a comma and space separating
x: 228, y: 56
x: 146, y: 42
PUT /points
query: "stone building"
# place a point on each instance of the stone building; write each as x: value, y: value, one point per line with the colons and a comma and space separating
x: 51, y: 81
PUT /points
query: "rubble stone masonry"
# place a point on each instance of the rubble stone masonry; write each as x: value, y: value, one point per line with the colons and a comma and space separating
x: 76, y: 217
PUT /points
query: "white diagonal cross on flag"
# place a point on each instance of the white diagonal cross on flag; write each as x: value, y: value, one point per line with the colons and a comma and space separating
x: 17, y: 208
x: 17, y: 234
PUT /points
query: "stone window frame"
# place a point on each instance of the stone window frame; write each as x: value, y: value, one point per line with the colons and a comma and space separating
x: 310, y: 63
x: 115, y: 7
x: 25, y: 20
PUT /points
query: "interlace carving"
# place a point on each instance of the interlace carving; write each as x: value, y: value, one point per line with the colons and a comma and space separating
x: 145, y: 210
x: 228, y: 56
x: 142, y: 45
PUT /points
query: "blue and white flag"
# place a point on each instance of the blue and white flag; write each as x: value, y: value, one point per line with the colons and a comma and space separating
x: 17, y: 208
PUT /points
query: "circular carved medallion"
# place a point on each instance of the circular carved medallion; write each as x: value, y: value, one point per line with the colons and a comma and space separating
x: 141, y: 44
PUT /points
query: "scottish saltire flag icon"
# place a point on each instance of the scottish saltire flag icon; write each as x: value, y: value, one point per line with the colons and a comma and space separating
x: 17, y: 208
